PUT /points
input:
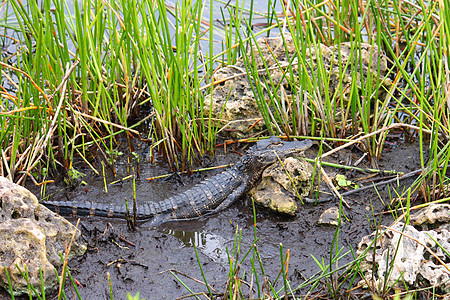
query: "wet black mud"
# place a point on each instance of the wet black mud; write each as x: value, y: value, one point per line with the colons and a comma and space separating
x: 145, y: 260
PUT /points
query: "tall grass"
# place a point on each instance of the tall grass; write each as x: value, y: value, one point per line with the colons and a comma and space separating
x: 82, y: 76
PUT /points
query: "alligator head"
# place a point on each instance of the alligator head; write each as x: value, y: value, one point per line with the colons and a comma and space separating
x: 267, y: 152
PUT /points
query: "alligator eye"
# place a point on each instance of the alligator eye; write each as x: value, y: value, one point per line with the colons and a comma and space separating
x: 275, y: 144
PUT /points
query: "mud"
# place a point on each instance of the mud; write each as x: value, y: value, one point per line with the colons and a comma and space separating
x: 141, y: 260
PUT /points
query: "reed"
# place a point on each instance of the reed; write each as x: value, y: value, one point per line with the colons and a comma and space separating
x: 89, y: 73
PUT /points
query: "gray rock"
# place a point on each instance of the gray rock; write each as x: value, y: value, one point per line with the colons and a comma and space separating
x: 276, y: 190
x: 329, y: 217
x: 232, y: 103
x: 31, y: 236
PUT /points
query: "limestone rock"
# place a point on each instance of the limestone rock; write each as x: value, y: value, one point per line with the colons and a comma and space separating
x: 276, y: 190
x: 232, y: 103
x: 31, y: 235
x: 329, y: 217
x: 407, y: 250
x: 432, y: 216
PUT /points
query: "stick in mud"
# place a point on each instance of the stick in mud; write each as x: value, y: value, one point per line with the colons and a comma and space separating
x: 407, y: 175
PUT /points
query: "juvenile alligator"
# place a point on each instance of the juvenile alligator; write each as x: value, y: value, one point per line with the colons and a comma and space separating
x: 210, y: 196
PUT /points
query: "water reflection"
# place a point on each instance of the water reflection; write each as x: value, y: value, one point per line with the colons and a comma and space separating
x: 211, y: 245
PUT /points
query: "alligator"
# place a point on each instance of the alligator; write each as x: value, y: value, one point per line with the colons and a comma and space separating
x: 209, y: 196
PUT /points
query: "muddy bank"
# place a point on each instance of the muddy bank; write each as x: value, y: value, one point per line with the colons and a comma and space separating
x: 144, y: 267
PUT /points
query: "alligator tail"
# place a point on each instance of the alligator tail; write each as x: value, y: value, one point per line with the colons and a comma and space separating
x: 91, y: 208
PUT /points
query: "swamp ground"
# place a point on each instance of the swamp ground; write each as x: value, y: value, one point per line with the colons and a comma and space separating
x: 145, y: 266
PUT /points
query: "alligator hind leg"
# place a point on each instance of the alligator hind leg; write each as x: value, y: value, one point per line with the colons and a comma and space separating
x: 236, y: 194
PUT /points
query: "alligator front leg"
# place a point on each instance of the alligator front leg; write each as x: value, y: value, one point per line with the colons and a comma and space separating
x: 236, y: 194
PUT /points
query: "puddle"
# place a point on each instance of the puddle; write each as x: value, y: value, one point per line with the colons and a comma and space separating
x: 211, y: 245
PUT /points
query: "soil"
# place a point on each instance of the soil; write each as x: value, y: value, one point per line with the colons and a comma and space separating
x: 142, y: 260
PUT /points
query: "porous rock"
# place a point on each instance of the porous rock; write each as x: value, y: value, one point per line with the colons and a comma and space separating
x: 31, y: 237
x: 280, y: 184
x: 414, y: 256
x: 432, y: 216
x: 232, y: 103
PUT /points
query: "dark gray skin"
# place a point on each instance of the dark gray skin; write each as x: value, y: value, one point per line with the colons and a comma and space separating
x: 210, y: 196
